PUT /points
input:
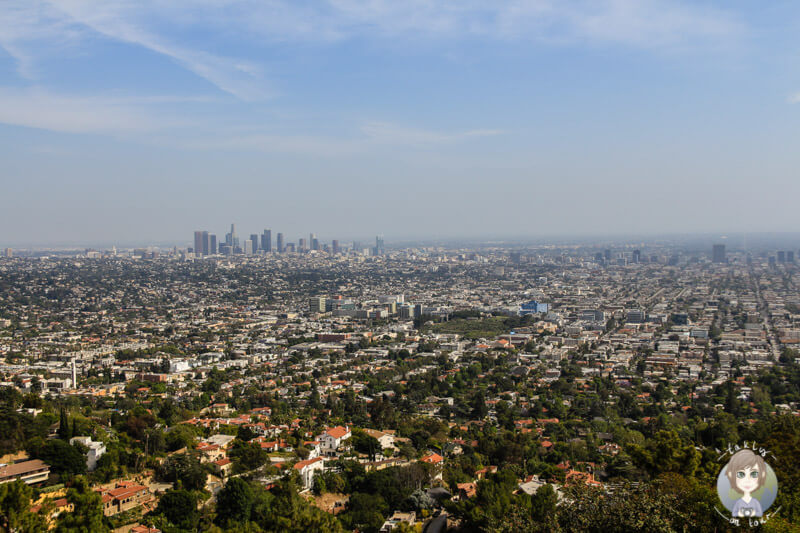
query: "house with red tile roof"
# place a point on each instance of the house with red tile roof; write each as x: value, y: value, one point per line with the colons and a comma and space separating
x: 331, y: 439
x: 432, y: 458
x: 308, y: 469
x: 126, y: 495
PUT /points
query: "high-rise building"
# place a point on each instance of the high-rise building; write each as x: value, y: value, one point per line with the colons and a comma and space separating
x: 790, y: 256
x: 212, y: 248
x: 781, y: 256
x: 636, y: 316
x: 311, y: 239
x: 379, y: 248
x: 254, y: 242
x: 198, y: 243
x: 335, y: 246
x: 607, y: 254
x: 317, y: 304
x: 9, y: 252
x: 718, y: 253
x: 301, y: 245
x: 231, y: 238
x: 314, y: 244
x: 248, y: 247
x: 637, y: 256
x: 266, y: 241
x: 206, y: 243
x: 280, y: 243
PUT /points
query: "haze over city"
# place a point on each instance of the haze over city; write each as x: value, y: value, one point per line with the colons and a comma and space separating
x: 140, y: 122
x: 407, y: 266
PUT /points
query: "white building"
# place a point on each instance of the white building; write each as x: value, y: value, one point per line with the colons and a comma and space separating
x: 331, y: 439
x: 308, y: 469
x: 96, y: 450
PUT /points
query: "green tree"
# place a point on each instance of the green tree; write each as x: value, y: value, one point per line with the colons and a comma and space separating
x: 247, y: 456
x: 15, y: 503
x: 365, y: 512
x: 87, y: 515
x: 234, y: 502
x: 666, y: 452
x: 180, y: 436
x: 543, y: 504
x: 365, y: 444
x: 64, y: 429
x: 63, y: 458
x: 179, y: 507
x: 183, y: 468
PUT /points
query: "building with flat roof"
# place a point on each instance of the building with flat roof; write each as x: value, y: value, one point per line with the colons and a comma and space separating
x: 31, y: 472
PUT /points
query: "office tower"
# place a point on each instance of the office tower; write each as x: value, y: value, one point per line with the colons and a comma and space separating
x: 335, y: 245
x: 301, y: 245
x: 311, y: 239
x: 317, y: 304
x: 290, y: 247
x: 636, y: 316
x: 637, y: 256
x: 516, y: 258
x: 212, y: 244
x: 781, y: 256
x: 379, y: 249
x: 280, y: 243
x: 357, y: 246
x: 206, y: 243
x: 607, y: 254
x: 718, y: 253
x: 9, y: 252
x: 198, y: 243
x: 254, y: 241
x: 314, y: 244
x: 598, y: 257
x: 266, y: 241
x: 231, y: 238
x: 248, y: 247
x: 790, y: 256
x: 226, y: 249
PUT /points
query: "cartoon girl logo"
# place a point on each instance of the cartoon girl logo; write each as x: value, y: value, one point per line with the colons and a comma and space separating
x: 747, y: 485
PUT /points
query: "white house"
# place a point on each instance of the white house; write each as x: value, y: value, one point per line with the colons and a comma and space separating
x: 308, y: 469
x: 385, y: 439
x: 96, y: 450
x: 331, y: 439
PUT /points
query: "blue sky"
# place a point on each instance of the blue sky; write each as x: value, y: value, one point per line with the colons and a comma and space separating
x: 139, y: 121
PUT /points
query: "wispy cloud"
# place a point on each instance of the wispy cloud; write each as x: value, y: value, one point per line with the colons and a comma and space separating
x: 122, y: 21
x: 384, y: 132
x: 38, y: 108
x: 370, y: 136
x: 794, y: 98
x: 134, y: 118
x: 28, y: 26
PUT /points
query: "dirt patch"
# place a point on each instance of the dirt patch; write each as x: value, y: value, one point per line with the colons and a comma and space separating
x: 330, y: 502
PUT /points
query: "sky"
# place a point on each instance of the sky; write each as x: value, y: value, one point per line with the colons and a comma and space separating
x: 141, y: 121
